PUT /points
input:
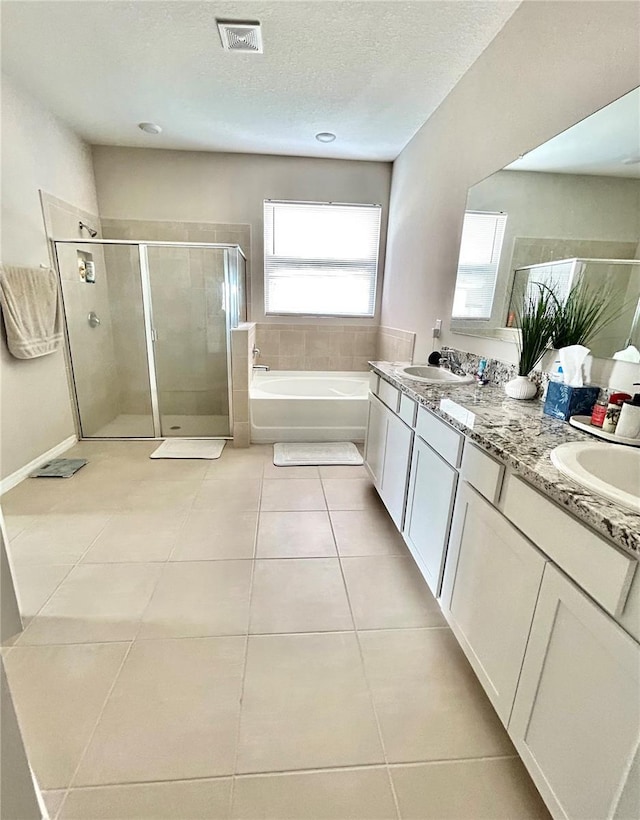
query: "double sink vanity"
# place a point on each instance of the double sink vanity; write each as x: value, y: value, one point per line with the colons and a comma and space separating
x: 535, y: 574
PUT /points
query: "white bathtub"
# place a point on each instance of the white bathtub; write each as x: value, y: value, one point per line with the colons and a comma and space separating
x: 300, y: 405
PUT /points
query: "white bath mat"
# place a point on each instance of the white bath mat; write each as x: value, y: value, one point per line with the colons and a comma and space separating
x: 293, y: 454
x: 189, y: 448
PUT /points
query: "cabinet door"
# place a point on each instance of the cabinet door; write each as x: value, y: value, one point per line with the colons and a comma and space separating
x: 491, y: 584
x: 376, y: 439
x: 432, y: 488
x: 576, y: 717
x: 395, y: 477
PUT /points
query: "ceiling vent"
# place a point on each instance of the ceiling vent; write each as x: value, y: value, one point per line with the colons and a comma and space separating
x: 240, y: 35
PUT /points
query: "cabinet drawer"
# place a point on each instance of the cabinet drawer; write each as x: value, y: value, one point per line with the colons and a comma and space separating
x: 389, y: 394
x: 604, y: 572
x: 374, y: 379
x: 438, y: 434
x: 482, y: 472
x: 408, y: 410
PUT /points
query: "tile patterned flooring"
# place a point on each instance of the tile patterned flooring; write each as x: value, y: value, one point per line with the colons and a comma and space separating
x: 230, y: 639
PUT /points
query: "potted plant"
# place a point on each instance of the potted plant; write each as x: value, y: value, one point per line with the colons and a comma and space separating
x: 535, y: 320
x: 584, y: 313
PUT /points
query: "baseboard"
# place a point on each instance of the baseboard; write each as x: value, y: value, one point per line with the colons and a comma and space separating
x: 15, y: 478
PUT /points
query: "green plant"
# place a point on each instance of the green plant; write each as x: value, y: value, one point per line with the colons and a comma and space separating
x: 535, y: 320
x: 585, y: 312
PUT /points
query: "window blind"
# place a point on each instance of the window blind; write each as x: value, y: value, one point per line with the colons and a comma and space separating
x: 321, y: 258
x: 480, y: 247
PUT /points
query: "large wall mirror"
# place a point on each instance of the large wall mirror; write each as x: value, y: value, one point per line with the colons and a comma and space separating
x: 569, y: 208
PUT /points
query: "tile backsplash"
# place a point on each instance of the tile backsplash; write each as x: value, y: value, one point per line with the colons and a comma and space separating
x: 316, y: 347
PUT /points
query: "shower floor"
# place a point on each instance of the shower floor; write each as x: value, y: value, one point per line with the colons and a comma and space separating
x: 135, y: 426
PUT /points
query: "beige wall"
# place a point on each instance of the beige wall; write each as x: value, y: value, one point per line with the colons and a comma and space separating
x: 151, y: 184
x: 38, y: 152
x: 551, y: 65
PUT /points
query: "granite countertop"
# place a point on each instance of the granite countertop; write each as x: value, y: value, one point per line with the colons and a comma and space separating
x: 518, y: 434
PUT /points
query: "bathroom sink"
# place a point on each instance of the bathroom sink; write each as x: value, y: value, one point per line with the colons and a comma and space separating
x: 433, y: 375
x: 610, y: 470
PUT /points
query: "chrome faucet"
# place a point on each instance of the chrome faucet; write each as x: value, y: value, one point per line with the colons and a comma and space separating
x: 264, y: 367
x: 450, y: 361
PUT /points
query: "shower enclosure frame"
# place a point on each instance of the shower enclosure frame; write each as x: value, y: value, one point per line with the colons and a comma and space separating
x: 230, y: 304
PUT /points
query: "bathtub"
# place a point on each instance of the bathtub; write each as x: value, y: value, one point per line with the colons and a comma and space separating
x: 300, y: 405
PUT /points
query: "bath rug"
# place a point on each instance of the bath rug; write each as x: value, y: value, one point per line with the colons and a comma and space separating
x: 59, y: 468
x: 189, y: 448
x: 293, y: 454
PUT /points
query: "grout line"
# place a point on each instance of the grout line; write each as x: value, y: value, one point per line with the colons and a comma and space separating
x: 72, y: 568
x: 246, y: 650
x: 364, y: 674
x: 284, y: 772
x: 100, y: 714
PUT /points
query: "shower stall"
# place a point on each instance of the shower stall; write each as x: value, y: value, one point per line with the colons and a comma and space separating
x: 148, y: 327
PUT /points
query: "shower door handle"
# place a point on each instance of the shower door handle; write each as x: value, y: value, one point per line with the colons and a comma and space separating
x: 154, y: 334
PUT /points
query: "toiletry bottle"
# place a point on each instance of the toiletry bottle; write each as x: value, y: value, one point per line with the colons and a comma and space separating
x: 480, y: 377
x: 629, y: 422
x: 557, y: 374
x: 600, y: 409
x: 613, y: 411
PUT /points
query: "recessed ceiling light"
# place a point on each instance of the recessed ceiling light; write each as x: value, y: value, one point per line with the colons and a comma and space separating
x: 325, y: 136
x: 149, y: 128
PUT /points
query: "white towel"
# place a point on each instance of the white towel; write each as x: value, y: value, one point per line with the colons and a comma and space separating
x: 29, y: 301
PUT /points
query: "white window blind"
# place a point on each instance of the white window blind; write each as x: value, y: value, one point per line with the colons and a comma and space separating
x: 321, y: 258
x: 480, y: 247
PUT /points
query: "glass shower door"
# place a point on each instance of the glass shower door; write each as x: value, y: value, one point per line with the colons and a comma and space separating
x: 190, y: 330
x: 104, y: 314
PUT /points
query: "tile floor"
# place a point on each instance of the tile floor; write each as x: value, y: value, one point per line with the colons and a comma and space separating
x: 229, y: 639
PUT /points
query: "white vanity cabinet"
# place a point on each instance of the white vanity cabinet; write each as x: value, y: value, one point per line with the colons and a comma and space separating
x: 388, y: 455
x: 576, y: 716
x: 432, y: 489
x: 489, y: 594
x: 545, y: 609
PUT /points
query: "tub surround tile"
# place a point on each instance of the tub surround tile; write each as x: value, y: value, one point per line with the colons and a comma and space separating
x: 316, y: 347
x: 518, y: 434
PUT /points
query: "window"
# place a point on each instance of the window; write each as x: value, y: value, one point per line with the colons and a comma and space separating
x: 482, y: 236
x: 321, y: 259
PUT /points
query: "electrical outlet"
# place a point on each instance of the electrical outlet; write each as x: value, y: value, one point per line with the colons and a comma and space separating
x: 437, y: 330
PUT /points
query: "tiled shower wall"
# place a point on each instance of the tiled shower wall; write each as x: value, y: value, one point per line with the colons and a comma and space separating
x: 95, y: 359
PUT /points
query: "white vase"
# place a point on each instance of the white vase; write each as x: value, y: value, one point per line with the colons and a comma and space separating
x: 520, y: 388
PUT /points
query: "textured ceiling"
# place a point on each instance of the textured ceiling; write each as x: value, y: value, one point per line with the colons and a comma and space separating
x: 372, y: 72
x: 605, y: 144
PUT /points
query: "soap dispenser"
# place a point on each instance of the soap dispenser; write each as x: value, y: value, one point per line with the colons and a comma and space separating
x: 629, y: 422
